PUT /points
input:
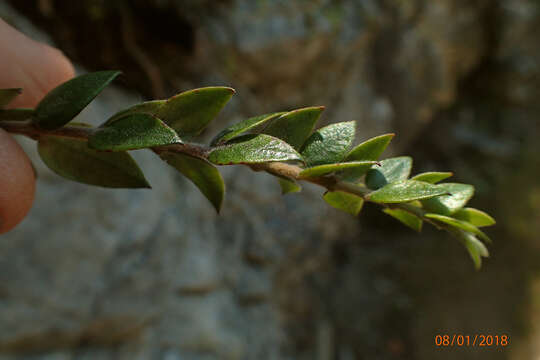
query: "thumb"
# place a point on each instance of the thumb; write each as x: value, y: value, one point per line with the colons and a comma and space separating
x: 36, y: 68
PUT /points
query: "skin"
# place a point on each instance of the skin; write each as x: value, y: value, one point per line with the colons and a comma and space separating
x: 36, y: 68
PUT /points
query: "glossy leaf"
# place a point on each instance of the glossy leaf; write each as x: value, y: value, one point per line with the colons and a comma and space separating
x: 405, y: 191
x: 329, y: 144
x: 203, y: 174
x: 288, y: 186
x: 349, y: 203
x: 243, y: 126
x: 475, y: 247
x: 330, y: 168
x: 449, y: 204
x: 432, y: 177
x: 474, y: 216
x: 147, y: 107
x: 295, y: 126
x: 188, y: 113
x: 389, y: 171
x: 405, y: 218
x: 368, y: 150
x: 250, y: 149
x: 459, y: 224
x: 67, y: 100
x: 73, y: 160
x: 7, y: 96
x: 133, y: 131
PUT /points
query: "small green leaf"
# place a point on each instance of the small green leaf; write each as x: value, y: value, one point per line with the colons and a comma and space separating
x: 368, y: 150
x: 295, y: 126
x: 349, y: 203
x: 391, y: 170
x: 475, y: 247
x: 73, y: 160
x: 474, y: 216
x: 432, y: 177
x: 243, y: 126
x: 449, y: 204
x: 250, y: 149
x: 406, y: 218
x: 203, y: 174
x: 188, y: 113
x: 329, y: 168
x: 147, y: 107
x: 329, y: 144
x: 288, y: 186
x: 67, y: 100
x: 133, y: 131
x: 7, y: 96
x: 405, y: 191
x: 459, y: 224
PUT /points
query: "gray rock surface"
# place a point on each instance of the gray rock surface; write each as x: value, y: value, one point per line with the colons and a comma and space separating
x: 137, y: 274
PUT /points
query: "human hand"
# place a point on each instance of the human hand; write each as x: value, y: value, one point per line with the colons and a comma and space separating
x: 36, y: 68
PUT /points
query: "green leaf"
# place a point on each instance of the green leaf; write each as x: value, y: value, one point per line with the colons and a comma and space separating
x: 432, y: 177
x: 474, y: 216
x: 329, y: 168
x: 147, y: 107
x: 449, y: 204
x: 188, y: 113
x: 475, y: 247
x: 203, y: 174
x: 8, y: 95
x: 389, y: 171
x: 250, y: 149
x: 295, y: 126
x: 406, y: 218
x: 20, y: 114
x: 349, y: 203
x: 67, y: 100
x: 288, y: 186
x: 370, y: 149
x: 405, y: 191
x: 459, y: 224
x: 329, y: 144
x: 243, y: 126
x: 133, y: 131
x: 73, y: 160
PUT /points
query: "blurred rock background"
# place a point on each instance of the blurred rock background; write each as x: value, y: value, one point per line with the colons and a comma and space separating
x: 133, y: 274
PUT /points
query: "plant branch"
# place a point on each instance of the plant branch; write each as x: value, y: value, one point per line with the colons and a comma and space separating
x: 281, y: 169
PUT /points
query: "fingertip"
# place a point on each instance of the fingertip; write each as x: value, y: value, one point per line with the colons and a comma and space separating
x: 17, y: 183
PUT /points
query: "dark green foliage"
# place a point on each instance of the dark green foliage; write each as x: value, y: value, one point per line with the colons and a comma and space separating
x: 188, y: 113
x: 330, y: 168
x: 404, y: 191
x: 251, y: 149
x: 412, y: 221
x: 203, y: 174
x: 7, y: 96
x: 74, y: 160
x: 289, y: 186
x: 67, y: 100
x: 340, y: 200
x: 283, y: 144
x: 242, y: 127
x: 329, y: 144
x: 133, y: 131
x: 295, y: 126
x: 389, y: 171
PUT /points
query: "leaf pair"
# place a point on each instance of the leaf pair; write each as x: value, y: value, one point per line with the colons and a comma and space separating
x: 280, y: 140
